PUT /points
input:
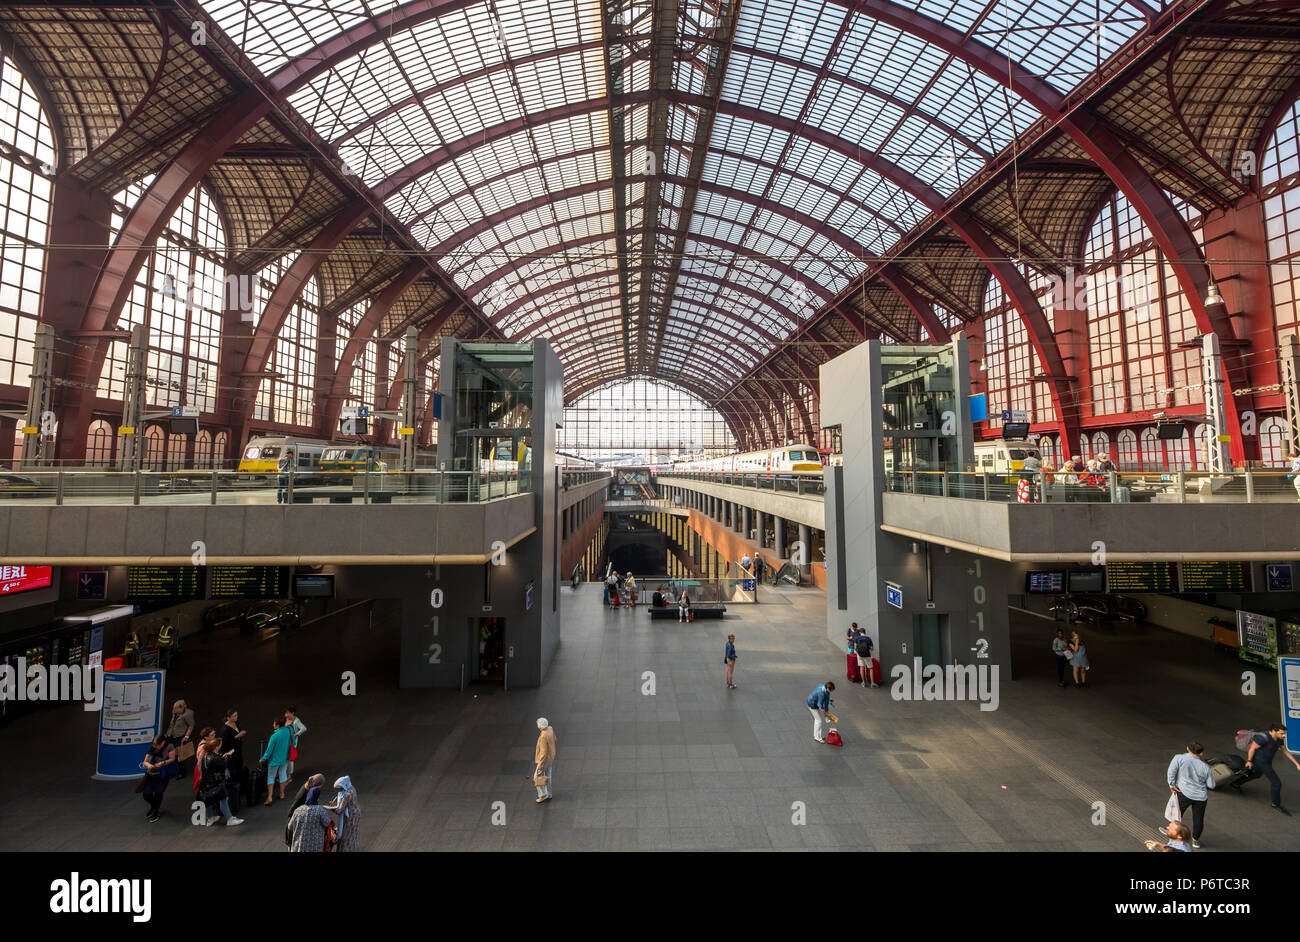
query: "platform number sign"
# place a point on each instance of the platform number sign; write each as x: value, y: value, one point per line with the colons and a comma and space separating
x: 979, y: 597
x: 894, y: 594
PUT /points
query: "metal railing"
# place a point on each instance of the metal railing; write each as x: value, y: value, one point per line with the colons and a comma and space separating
x: 791, y: 482
x: 1114, y: 487
x: 698, y: 589
x: 232, y: 487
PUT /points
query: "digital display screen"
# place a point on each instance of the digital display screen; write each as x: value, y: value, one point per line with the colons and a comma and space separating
x: 1089, y: 580
x: 1039, y: 581
x: 1015, y: 429
x: 1140, y: 577
x: 313, y: 587
x: 246, y: 582
x: 1211, y: 576
x: 163, y: 582
x: 15, y: 579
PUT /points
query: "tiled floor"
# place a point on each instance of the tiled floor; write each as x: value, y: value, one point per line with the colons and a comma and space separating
x: 691, y: 765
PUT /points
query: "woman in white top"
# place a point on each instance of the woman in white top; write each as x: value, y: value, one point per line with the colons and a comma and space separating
x: 1295, y: 470
x: 296, y: 728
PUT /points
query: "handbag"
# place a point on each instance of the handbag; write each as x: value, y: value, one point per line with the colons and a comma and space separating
x: 184, y: 751
x: 539, y: 779
x: 144, y: 780
x: 170, y: 771
x: 293, y: 753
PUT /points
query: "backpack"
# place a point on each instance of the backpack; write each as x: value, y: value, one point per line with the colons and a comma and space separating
x: 1244, y: 737
x: 863, y: 647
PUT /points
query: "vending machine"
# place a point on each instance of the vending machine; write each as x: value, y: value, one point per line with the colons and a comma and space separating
x: 1257, y: 635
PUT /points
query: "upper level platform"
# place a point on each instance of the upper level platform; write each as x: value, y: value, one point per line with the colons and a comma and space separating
x: 167, y: 518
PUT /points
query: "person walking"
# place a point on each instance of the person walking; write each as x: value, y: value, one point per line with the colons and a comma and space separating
x: 160, y: 767
x: 309, y: 825
x: 1061, y: 649
x: 284, y: 472
x: 1263, y: 748
x: 544, y: 758
x: 203, y: 738
x: 630, y: 584
x: 180, y: 729
x: 1294, y: 476
x: 758, y: 571
x: 296, y: 727
x: 819, y: 704
x: 729, y: 658
x: 1078, y: 659
x: 276, y: 758
x: 349, y: 811
x: 212, y: 784
x: 232, y: 744
x: 1190, y: 779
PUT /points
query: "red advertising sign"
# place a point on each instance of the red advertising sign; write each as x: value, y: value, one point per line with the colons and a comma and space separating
x: 14, y: 579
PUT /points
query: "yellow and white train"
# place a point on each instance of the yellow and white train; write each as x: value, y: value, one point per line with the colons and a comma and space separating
x: 786, y: 459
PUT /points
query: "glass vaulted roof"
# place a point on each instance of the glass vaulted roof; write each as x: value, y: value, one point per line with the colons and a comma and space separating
x: 676, y: 212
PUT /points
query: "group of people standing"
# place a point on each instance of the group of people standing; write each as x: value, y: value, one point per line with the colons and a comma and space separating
x: 1072, y: 653
x: 221, y: 777
x: 620, y: 589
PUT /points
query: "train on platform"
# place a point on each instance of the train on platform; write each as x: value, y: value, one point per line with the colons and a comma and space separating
x: 313, y: 456
x: 787, y: 459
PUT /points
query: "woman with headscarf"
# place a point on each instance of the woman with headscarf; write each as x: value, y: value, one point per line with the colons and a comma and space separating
x: 309, y: 825
x: 317, y: 782
x: 349, y: 812
x: 544, y: 757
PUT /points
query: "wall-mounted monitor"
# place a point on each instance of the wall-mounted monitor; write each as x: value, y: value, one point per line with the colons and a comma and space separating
x: 1087, y: 580
x: 1038, y: 581
x: 1170, y: 430
x: 1015, y: 429
x: 313, y: 587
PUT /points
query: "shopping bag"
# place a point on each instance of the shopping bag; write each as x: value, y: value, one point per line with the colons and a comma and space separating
x: 1171, y: 809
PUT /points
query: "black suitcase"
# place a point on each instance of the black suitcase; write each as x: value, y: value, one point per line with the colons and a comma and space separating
x: 1230, y: 771
x: 255, y: 784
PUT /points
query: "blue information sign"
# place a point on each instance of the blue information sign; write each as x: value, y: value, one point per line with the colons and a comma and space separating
x: 894, y: 594
x: 1279, y: 577
x: 129, y: 719
x: 749, y: 585
x: 1288, y: 676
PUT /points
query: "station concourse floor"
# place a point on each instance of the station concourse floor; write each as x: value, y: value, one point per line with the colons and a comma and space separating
x: 694, y: 766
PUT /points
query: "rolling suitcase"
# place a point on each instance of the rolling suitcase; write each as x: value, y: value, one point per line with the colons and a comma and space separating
x: 1229, y: 770
x: 255, y: 792
x: 855, y: 675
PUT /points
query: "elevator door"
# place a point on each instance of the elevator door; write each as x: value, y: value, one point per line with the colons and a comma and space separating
x: 930, y: 638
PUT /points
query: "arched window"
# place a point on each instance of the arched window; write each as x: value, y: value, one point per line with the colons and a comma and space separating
x: 1049, y: 452
x: 1279, y: 180
x: 179, y: 296
x: 1202, y: 442
x: 1178, y: 452
x: 203, y: 449
x: 1153, y: 458
x: 644, y: 417
x: 176, y: 445
x: 1009, y: 362
x: 99, y: 444
x: 289, y: 398
x: 1128, y: 456
x: 219, y: 449
x: 1100, y: 445
x: 1273, y: 444
x: 25, y: 196
x: 1085, y: 448
x: 155, y: 445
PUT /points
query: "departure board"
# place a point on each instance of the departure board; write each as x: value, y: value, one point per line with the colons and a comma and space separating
x: 163, y: 582
x: 1038, y: 581
x: 1211, y: 576
x: 246, y: 582
x: 1140, y: 577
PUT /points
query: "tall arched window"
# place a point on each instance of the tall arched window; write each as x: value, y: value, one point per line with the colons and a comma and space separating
x: 290, y: 398
x: 99, y: 444
x: 1153, y: 457
x: 1128, y: 456
x: 203, y: 449
x: 1273, y: 445
x: 1280, y: 184
x: 176, y: 445
x: 1100, y: 445
x: 155, y: 449
x: 178, y: 296
x: 25, y: 196
x: 1009, y: 360
x: 651, y: 419
x: 219, y: 449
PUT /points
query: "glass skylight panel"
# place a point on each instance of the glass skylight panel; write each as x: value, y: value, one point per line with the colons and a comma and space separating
x: 270, y: 32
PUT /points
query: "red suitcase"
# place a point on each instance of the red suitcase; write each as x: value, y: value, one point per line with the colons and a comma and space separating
x: 875, y: 672
x: 855, y: 675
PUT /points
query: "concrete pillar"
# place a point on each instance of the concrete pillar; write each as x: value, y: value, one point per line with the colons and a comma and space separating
x: 805, y: 539
x: 747, y: 522
x: 760, y: 524
x: 778, y: 544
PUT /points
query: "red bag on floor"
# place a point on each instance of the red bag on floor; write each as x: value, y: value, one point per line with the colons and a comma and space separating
x: 855, y: 675
x: 875, y: 672
x: 690, y: 616
x: 833, y: 738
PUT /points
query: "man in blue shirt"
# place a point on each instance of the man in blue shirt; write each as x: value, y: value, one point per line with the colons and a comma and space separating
x: 729, y: 657
x: 1190, y: 779
x: 1177, y: 833
x: 819, y: 701
x: 1260, y: 761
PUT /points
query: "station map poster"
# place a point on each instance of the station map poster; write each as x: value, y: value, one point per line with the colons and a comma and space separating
x: 1210, y: 576
x: 1288, y: 676
x: 246, y: 582
x: 1140, y: 577
x: 164, y: 582
x: 129, y: 719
